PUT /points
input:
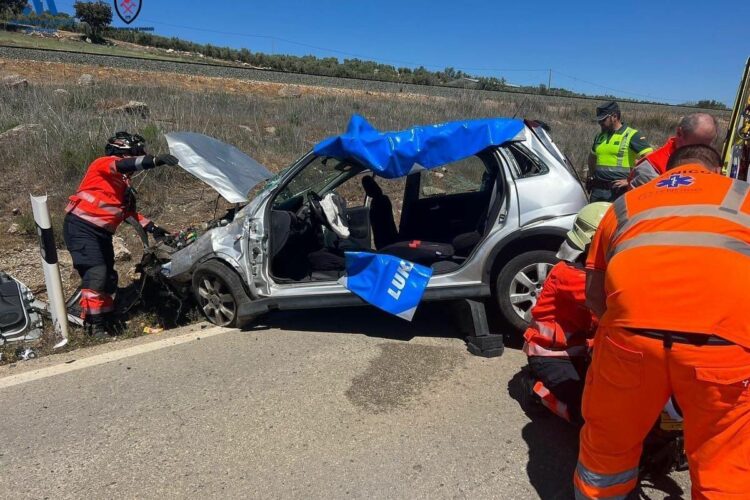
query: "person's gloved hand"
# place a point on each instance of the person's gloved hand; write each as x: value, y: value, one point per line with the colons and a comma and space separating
x: 166, y: 159
x: 158, y: 232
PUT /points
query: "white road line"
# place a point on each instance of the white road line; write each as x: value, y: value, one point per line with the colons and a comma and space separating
x: 108, y: 357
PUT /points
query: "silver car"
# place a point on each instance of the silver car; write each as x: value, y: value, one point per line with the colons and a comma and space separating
x: 489, y: 225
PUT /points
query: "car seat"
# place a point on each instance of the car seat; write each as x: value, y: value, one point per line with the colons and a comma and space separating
x: 384, y: 230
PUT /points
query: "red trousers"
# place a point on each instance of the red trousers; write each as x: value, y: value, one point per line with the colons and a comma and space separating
x: 627, y: 385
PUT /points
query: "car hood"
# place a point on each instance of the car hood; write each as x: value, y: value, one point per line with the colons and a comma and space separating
x: 225, y: 168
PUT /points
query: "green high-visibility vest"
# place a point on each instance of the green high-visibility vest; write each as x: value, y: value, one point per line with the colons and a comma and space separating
x: 614, y: 153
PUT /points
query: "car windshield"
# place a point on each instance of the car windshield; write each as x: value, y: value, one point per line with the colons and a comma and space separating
x: 315, y: 176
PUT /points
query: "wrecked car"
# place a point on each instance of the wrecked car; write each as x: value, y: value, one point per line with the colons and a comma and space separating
x: 484, y: 203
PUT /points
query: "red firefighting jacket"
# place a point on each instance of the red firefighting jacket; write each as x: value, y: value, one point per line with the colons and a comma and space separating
x: 561, y: 324
x: 102, y: 196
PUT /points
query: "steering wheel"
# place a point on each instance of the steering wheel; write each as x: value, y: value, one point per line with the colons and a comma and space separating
x: 329, y: 212
x: 316, y: 209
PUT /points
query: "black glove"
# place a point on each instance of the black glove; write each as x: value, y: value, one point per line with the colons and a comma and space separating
x: 159, y: 233
x: 166, y: 160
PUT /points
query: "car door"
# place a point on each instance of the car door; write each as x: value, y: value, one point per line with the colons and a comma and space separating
x: 444, y: 202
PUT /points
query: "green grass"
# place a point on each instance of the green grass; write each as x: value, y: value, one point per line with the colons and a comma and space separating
x: 47, y: 43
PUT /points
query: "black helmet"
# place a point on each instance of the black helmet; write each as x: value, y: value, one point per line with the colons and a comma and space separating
x: 124, y: 143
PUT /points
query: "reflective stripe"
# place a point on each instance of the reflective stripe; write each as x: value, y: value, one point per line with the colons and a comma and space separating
x: 613, y: 168
x: 139, y: 163
x: 94, y: 302
x: 97, y: 221
x: 551, y: 402
x: 621, y: 211
x: 579, y: 495
x: 91, y: 310
x: 678, y: 211
x: 534, y: 349
x: 545, y: 330
x: 683, y: 238
x: 605, y: 480
x: 624, y: 145
x: 735, y: 197
x: 90, y: 198
x: 596, y: 297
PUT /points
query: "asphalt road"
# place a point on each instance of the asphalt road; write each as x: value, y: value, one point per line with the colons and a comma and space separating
x: 332, y: 403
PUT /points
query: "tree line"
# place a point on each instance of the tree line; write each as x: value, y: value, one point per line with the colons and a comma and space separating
x: 94, y: 19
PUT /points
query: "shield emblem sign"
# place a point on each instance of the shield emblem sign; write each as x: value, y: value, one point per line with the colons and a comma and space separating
x: 127, y: 10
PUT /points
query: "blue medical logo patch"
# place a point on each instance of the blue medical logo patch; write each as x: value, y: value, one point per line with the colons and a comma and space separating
x: 675, y: 181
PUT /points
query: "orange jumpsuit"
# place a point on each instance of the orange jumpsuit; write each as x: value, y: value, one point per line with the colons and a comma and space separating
x: 670, y: 256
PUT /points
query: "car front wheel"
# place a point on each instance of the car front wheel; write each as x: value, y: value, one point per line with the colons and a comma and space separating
x: 219, y: 293
x: 519, y: 284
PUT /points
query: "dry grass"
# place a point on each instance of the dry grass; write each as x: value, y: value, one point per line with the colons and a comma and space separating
x: 249, y: 115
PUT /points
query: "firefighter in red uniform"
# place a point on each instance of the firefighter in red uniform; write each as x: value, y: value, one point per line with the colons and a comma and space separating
x: 103, y: 200
x: 561, y: 328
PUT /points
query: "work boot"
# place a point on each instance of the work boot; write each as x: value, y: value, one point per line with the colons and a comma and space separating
x: 116, y: 326
x: 97, y: 330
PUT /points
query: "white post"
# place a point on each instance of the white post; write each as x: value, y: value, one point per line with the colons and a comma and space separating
x: 51, y: 269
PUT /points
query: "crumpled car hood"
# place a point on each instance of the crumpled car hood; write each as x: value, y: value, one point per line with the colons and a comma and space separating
x: 225, y: 168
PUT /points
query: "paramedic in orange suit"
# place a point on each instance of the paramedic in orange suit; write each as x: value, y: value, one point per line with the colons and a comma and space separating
x: 667, y: 274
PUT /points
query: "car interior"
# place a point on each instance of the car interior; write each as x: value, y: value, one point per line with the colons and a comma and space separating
x: 432, y: 217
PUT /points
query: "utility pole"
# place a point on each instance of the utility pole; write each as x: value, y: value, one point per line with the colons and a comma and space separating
x: 549, y: 80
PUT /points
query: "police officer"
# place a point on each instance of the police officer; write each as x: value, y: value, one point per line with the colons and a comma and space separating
x: 104, y: 199
x: 616, y: 150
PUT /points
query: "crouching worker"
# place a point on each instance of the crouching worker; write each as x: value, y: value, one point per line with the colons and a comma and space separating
x: 103, y: 200
x: 559, y: 335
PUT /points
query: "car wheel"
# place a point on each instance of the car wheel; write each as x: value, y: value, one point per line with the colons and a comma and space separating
x: 519, y: 284
x: 219, y: 293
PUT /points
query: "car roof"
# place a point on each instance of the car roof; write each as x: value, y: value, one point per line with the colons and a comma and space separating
x: 393, y: 154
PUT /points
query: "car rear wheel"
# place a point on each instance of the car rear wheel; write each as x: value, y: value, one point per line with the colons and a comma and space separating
x: 219, y: 293
x: 519, y: 284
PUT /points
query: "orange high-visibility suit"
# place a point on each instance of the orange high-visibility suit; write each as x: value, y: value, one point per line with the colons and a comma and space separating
x: 669, y: 269
x: 558, y: 338
x: 101, y: 203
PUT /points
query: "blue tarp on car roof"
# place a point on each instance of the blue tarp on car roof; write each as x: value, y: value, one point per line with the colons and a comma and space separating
x: 396, y: 154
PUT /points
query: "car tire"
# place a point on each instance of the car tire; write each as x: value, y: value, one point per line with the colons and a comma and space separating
x: 518, y: 285
x: 219, y: 292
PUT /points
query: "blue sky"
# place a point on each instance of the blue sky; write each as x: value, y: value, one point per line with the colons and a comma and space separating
x: 667, y: 51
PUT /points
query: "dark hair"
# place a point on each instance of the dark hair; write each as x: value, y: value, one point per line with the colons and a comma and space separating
x: 695, y: 153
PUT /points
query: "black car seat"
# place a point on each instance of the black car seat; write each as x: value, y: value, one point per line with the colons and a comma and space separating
x: 464, y: 243
x: 384, y: 230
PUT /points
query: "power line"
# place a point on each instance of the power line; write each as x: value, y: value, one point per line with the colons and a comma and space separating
x: 342, y: 52
x: 613, y: 89
x: 547, y: 71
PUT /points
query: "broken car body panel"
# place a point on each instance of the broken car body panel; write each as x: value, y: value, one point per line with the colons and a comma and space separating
x: 225, y: 168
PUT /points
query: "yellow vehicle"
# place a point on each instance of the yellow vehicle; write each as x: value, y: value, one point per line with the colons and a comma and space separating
x: 736, y: 152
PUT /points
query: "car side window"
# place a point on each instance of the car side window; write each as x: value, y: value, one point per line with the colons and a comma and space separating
x: 469, y: 175
x: 351, y: 191
x: 529, y: 164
